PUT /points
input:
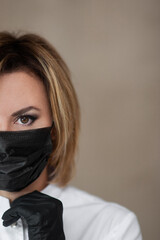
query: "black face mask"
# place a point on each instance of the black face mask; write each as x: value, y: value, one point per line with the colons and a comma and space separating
x: 23, y: 156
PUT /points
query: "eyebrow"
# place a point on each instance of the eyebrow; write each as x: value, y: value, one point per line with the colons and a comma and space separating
x: 24, y: 110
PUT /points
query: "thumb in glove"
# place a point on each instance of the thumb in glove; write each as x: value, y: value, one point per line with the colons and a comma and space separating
x: 42, y: 213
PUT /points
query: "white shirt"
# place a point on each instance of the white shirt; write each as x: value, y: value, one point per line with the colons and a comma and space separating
x: 85, y: 217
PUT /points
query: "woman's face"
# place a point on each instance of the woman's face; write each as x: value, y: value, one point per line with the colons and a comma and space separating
x: 23, y: 102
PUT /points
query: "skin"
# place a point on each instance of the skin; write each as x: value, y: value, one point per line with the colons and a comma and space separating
x: 18, y: 91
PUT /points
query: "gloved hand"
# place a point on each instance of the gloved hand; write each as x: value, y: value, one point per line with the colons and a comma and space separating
x: 42, y: 213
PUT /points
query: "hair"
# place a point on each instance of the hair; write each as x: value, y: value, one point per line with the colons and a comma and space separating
x: 30, y: 52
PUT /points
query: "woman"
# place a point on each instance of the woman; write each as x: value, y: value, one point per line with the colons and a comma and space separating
x: 39, y: 126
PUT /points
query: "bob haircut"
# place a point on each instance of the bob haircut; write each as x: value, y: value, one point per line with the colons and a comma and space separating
x: 33, y: 54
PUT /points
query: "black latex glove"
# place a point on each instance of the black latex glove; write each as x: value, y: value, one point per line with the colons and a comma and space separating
x: 42, y: 213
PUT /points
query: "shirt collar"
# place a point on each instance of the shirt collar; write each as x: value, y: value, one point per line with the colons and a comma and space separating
x: 52, y: 190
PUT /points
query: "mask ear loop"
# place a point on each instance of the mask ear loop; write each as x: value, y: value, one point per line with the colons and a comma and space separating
x: 52, y: 124
x: 51, y: 128
x: 50, y: 176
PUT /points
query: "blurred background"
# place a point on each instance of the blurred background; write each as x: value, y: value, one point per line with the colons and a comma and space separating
x: 112, y: 49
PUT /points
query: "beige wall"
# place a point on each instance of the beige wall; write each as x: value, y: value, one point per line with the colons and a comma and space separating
x: 112, y: 49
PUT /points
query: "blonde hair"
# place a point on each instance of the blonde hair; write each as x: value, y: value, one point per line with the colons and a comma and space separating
x: 32, y: 52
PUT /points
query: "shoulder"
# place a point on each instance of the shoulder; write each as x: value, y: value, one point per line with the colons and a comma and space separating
x: 74, y: 197
x: 107, y: 218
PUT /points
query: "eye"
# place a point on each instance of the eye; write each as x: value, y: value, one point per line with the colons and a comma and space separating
x: 26, y: 119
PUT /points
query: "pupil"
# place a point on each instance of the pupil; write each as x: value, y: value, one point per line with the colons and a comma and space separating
x: 24, y: 119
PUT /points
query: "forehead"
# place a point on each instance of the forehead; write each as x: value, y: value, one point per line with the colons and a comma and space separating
x: 21, y: 88
x: 18, y: 76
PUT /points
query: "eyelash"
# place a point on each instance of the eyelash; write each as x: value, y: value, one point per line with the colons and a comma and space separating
x: 31, y: 118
